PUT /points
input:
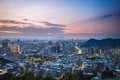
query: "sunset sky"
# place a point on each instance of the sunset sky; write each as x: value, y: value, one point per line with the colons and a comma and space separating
x: 59, y: 19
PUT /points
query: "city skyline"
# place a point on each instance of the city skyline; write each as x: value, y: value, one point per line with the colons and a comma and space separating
x: 59, y: 19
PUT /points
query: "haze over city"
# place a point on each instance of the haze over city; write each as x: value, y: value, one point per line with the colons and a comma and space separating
x: 47, y: 19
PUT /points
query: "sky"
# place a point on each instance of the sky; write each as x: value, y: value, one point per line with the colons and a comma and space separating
x: 59, y: 19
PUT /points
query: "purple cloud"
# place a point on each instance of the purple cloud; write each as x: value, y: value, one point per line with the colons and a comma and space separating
x: 53, y: 24
x: 108, y: 16
x: 32, y: 31
x: 12, y: 21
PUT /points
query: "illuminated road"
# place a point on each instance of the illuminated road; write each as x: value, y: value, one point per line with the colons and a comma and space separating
x: 79, y: 50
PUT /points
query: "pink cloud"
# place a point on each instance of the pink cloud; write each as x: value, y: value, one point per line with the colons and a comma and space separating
x: 11, y: 32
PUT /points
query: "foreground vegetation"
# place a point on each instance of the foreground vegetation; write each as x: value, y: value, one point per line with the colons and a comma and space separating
x: 30, y: 76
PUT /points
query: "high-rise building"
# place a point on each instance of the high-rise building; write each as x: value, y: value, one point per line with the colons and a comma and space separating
x: 15, y: 48
x: 6, y: 43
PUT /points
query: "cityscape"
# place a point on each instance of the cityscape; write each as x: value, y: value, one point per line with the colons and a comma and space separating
x: 59, y: 40
x: 56, y: 58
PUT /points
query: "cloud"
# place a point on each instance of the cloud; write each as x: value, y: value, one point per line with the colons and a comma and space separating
x: 53, y: 24
x: 12, y: 21
x: 25, y: 19
x: 11, y: 32
x: 107, y: 16
x: 30, y: 31
x: 18, y: 24
x: 13, y: 28
x: 22, y: 24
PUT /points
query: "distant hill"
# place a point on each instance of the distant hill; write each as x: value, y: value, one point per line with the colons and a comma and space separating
x: 102, y: 43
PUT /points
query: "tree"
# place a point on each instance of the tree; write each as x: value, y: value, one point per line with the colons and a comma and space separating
x: 49, y: 78
x: 6, y: 76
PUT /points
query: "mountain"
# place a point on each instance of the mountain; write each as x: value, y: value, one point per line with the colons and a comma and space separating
x: 102, y: 43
